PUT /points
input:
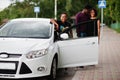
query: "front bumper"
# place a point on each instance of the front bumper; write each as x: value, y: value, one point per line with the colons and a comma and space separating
x: 25, y: 68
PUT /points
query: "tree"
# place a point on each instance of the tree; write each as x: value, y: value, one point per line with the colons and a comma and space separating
x: 112, y: 11
x: 71, y: 7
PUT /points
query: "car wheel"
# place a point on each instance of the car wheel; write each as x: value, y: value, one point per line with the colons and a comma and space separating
x: 53, y: 70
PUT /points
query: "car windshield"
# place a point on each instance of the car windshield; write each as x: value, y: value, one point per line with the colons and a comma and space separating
x: 26, y: 29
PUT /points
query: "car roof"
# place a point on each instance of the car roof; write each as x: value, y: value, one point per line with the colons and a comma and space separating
x: 32, y: 19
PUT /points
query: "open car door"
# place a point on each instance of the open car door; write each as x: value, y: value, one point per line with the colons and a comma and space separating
x: 78, y: 51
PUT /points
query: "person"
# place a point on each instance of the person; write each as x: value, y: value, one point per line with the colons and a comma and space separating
x: 95, y: 24
x: 62, y: 24
x: 81, y: 17
x: 55, y: 30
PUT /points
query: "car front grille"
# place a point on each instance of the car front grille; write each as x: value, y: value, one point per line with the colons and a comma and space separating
x: 10, y: 55
x: 15, y: 55
x: 24, y: 69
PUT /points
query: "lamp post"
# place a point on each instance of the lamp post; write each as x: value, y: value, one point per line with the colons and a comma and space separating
x: 10, y: 10
x: 55, y: 9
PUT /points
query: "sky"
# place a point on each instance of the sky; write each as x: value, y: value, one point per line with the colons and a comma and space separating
x: 4, y: 3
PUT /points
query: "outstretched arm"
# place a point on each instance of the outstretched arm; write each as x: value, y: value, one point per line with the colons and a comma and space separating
x: 55, y: 23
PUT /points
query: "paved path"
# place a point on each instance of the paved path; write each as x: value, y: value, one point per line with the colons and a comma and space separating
x: 109, y: 61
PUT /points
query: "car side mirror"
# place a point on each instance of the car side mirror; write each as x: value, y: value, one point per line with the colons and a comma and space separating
x: 64, y: 36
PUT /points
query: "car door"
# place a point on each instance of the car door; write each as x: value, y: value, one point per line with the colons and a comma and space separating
x: 78, y: 51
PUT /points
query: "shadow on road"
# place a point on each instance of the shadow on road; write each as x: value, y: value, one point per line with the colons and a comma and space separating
x: 65, y: 75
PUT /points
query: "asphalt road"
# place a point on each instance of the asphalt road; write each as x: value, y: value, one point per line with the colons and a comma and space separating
x: 65, y: 75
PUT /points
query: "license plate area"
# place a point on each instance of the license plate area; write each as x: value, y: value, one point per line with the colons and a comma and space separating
x: 8, y: 67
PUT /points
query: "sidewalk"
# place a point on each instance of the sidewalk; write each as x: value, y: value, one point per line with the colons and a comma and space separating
x: 109, y: 59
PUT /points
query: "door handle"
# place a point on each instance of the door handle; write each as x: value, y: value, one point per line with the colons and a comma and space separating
x: 93, y: 42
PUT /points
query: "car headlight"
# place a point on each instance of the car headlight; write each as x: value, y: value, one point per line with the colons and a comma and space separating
x: 36, y: 54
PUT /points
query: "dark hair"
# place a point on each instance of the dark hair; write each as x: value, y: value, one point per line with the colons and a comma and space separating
x: 87, y: 7
x: 64, y: 13
x: 94, y: 11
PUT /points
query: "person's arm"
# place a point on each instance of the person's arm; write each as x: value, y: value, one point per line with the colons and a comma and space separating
x: 98, y: 25
x: 55, y: 23
x: 77, y: 20
x: 71, y: 33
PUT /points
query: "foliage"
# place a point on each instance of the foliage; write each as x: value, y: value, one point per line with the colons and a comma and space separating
x: 71, y: 7
x: 112, y: 12
x: 118, y: 30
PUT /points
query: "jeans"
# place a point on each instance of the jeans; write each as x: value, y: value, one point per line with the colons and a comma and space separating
x: 82, y: 34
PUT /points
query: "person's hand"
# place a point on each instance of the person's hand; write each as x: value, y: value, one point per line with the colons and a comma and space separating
x: 64, y: 29
x: 56, y: 26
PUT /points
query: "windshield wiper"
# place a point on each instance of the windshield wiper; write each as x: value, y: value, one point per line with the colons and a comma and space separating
x: 10, y: 36
x: 4, y: 36
x: 39, y: 37
x: 23, y: 37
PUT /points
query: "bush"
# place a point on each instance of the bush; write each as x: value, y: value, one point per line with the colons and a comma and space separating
x: 116, y: 26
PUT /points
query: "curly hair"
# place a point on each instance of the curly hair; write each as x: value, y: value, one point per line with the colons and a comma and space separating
x: 94, y: 11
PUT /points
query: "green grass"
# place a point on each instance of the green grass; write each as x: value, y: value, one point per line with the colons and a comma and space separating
x: 118, y: 30
x: 116, y: 27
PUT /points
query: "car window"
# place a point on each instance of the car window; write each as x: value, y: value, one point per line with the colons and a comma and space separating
x: 91, y: 29
x: 26, y: 29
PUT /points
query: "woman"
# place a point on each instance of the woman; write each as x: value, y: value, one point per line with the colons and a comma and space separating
x: 95, y: 23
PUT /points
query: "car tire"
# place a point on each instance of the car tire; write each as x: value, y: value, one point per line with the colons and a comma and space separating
x: 53, y: 72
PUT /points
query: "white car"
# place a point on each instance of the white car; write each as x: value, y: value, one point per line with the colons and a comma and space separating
x: 28, y: 49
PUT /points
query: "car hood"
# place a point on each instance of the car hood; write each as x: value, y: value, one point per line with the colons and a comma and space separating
x: 22, y: 46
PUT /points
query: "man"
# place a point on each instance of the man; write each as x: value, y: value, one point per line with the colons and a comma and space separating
x: 81, y: 17
x: 62, y: 24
